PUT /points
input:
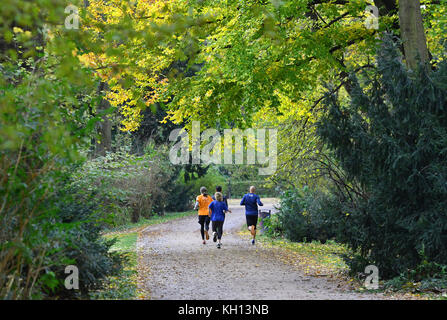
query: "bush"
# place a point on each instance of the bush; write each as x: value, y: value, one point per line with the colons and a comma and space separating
x: 179, y: 195
x: 210, y: 180
x: 77, y: 231
x: 67, y: 233
x: 306, y: 216
x: 129, y: 187
x: 273, y: 227
x: 41, y: 125
x: 428, y: 276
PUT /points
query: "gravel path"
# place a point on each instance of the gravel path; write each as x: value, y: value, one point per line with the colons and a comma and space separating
x: 174, y: 264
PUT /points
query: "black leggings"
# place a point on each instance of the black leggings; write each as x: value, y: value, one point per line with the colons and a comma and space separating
x: 204, y: 225
x: 218, y: 227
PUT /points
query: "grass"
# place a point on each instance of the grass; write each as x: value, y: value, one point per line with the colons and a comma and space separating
x: 144, y: 222
x: 125, y: 242
x: 325, y: 260
x: 313, y: 258
x: 318, y: 258
x: 124, y: 286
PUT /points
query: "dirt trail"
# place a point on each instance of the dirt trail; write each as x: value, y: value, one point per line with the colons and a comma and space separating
x: 176, y: 265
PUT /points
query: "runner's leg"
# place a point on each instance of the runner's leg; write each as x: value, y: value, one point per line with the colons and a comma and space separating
x: 202, y: 229
x: 207, y: 227
x: 207, y: 223
x: 252, y: 221
x: 214, y: 226
x: 219, y: 230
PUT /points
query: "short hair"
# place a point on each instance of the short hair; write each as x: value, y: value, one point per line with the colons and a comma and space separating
x: 218, y: 196
x: 252, y: 188
x: 203, y: 190
x: 218, y: 189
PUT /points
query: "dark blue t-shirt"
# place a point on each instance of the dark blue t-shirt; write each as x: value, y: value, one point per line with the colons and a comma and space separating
x: 251, y: 201
x: 218, y: 209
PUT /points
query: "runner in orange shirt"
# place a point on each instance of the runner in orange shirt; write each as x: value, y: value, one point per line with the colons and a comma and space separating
x: 202, y: 203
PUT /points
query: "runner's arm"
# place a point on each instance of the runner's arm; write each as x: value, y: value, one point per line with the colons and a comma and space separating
x: 209, y: 208
x: 197, y: 205
x: 259, y: 201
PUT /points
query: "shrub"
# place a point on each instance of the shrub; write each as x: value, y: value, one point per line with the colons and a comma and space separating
x: 41, y: 124
x: 179, y: 195
x: 273, y: 226
x: 306, y: 216
x: 210, y: 180
x: 77, y: 232
x: 127, y: 186
x: 427, y: 276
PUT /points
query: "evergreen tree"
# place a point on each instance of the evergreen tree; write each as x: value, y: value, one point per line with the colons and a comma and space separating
x: 392, y: 139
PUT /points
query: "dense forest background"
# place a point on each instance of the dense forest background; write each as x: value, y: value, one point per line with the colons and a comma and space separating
x: 87, y: 110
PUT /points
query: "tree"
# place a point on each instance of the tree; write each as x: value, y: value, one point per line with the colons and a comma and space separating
x: 45, y: 94
x: 412, y: 33
x: 105, y: 125
x: 389, y: 138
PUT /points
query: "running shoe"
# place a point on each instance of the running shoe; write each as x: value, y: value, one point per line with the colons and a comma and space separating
x: 214, y: 236
x: 253, y: 241
x: 204, y: 242
x: 207, y: 236
x: 218, y: 246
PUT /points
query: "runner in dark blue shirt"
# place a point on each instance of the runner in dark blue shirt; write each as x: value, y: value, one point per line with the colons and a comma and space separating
x: 217, y: 210
x: 251, y: 202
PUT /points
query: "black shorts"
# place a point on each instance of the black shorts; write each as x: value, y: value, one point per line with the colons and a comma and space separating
x: 252, y: 219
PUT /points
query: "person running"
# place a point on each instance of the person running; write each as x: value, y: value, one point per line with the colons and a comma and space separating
x: 225, y: 199
x: 202, y: 203
x: 217, y: 210
x: 251, y: 202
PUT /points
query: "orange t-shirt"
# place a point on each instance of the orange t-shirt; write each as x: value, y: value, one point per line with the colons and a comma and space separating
x: 204, y: 202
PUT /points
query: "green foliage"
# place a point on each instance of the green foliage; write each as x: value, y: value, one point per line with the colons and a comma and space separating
x: 122, y: 286
x: 45, y: 95
x: 210, y: 180
x: 142, y: 223
x: 77, y: 229
x: 272, y: 226
x: 391, y: 138
x: 306, y: 216
x: 426, y: 277
x: 66, y: 234
x: 151, y: 130
x: 238, y: 179
x: 128, y: 186
x: 41, y: 124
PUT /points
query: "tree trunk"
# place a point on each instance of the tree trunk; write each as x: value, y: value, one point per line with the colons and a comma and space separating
x: 229, y: 188
x: 104, y: 126
x: 412, y: 33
